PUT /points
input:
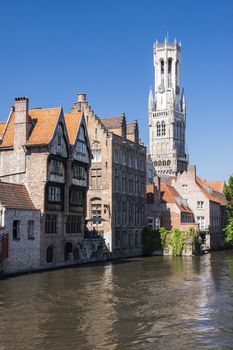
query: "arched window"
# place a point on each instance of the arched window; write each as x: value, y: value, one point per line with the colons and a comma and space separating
x: 49, y: 255
x: 164, y: 162
x: 169, y: 66
x: 158, y: 129
x: 163, y: 128
x: 168, y: 162
x: 159, y: 163
x: 162, y: 66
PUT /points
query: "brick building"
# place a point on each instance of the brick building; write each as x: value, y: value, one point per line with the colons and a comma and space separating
x: 207, y: 202
x: 48, y: 152
x: 116, y: 193
x: 19, y: 230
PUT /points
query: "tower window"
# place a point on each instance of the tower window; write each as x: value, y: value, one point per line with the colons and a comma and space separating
x: 158, y: 129
x: 169, y: 66
x: 162, y: 67
x: 163, y: 129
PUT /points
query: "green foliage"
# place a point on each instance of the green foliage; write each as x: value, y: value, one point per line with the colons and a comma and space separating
x: 229, y: 231
x: 165, y: 237
x: 162, y: 239
x: 228, y: 191
x: 150, y: 241
x: 178, y: 239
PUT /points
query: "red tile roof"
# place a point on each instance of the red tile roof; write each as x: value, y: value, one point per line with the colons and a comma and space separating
x: 72, y: 125
x: 2, y: 126
x: 170, y: 195
x: 15, y: 196
x: 44, y: 123
x: 205, y: 189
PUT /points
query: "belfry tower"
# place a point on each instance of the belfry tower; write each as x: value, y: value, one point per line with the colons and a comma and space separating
x: 167, y: 112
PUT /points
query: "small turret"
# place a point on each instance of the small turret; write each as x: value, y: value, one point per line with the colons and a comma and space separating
x: 150, y: 100
x: 183, y: 103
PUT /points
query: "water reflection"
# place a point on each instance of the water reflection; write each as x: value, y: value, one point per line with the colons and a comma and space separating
x: 143, y: 303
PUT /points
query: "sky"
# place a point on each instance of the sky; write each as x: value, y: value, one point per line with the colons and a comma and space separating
x: 51, y: 50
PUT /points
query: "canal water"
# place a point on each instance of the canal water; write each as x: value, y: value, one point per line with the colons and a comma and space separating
x: 140, y: 303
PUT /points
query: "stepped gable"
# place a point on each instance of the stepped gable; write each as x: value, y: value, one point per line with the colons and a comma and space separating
x: 15, y: 196
x: 72, y: 121
x: 43, y: 122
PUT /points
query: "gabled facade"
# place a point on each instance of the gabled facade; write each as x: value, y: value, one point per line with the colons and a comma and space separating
x: 206, y: 203
x: 116, y: 192
x: 49, y: 153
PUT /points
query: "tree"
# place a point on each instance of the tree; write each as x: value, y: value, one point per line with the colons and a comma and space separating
x: 228, y: 191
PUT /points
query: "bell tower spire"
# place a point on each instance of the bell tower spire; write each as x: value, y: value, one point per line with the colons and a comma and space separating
x: 167, y: 118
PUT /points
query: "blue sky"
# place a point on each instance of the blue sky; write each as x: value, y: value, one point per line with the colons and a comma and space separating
x: 50, y: 50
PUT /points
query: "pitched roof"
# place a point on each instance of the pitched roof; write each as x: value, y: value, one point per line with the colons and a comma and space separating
x: 2, y: 126
x: 170, y: 195
x: 15, y: 196
x: 72, y: 125
x: 113, y: 122
x: 216, y: 185
x: 44, y: 122
x: 204, y: 187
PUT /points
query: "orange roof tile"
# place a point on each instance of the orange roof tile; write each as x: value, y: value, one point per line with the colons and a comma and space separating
x: 45, y: 121
x: 216, y: 185
x: 8, y: 138
x: 2, y: 126
x: 72, y: 125
x: 209, y: 195
x: 170, y: 195
x: 15, y: 196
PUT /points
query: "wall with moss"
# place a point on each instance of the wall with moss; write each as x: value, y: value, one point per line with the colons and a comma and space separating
x: 173, y: 242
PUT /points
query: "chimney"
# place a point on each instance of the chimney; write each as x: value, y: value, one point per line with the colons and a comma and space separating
x: 81, y: 104
x: 22, y: 125
x: 191, y: 170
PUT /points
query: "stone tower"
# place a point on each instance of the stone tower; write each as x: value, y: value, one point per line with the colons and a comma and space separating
x: 167, y: 112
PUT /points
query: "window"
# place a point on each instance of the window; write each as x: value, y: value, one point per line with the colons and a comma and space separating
x: 116, y: 180
x: 136, y: 185
x: 96, y: 178
x: 163, y: 129
x: 16, y: 232
x: 130, y: 178
x: 169, y: 85
x: 201, y: 222
x: 184, y: 188
x: 49, y: 257
x: 96, y: 208
x: 82, y: 148
x: 96, y: 153
x: 31, y: 225
x: 73, y: 224
x: 169, y: 66
x: 142, y: 186
x: 77, y: 197
x: 123, y: 181
x: 200, y: 204
x: 54, y: 194
x: 56, y: 168
x: 158, y: 129
x: 50, y: 224
x: 162, y: 66
x: 78, y: 171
